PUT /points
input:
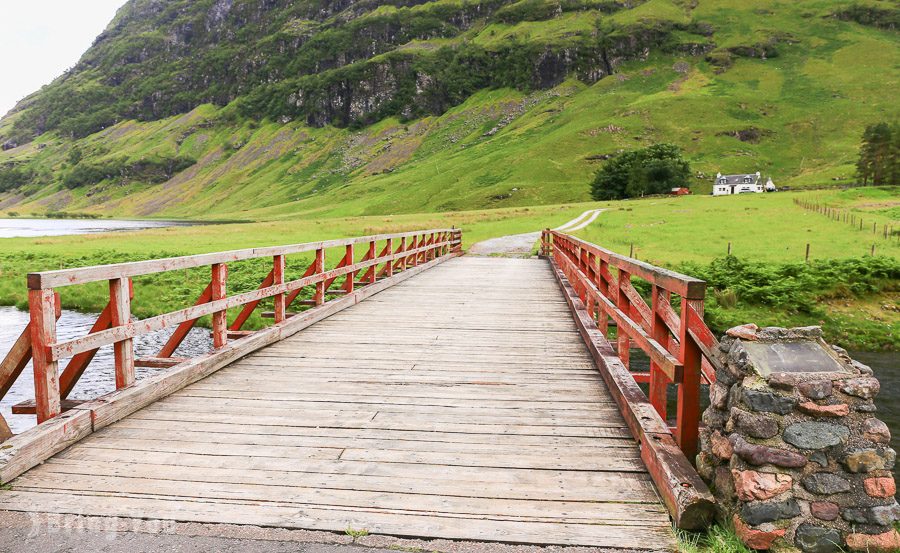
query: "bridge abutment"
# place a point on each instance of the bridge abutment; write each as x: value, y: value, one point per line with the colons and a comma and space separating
x: 792, y: 447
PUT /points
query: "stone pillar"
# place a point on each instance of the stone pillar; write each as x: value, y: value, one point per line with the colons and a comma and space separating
x: 791, y: 446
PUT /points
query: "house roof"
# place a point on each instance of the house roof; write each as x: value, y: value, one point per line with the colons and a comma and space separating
x: 737, y: 179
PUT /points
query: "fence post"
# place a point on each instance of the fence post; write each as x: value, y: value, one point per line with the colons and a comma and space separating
x: 688, y: 411
x: 120, y: 315
x: 318, y: 269
x: 389, y: 248
x: 42, y: 304
x: 218, y: 292
x: 278, y: 267
x: 373, y: 255
x: 348, y: 260
x: 402, y: 250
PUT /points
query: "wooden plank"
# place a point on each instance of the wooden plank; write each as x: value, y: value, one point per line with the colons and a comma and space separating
x: 159, y: 362
x: 529, y: 485
x: 625, y: 514
x: 374, y: 521
x: 29, y: 407
x: 36, y: 444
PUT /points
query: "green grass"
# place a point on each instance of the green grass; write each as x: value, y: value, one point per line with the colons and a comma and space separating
x: 718, y: 539
x: 685, y: 233
x: 761, y: 227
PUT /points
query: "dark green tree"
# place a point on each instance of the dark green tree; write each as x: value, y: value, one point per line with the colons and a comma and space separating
x: 653, y: 170
x: 879, y: 155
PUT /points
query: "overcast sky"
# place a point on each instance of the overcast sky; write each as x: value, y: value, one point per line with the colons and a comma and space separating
x: 39, y: 39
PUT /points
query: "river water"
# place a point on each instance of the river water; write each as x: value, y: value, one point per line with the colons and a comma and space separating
x: 31, y: 228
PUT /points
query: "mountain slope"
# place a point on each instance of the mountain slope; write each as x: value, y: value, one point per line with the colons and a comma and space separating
x: 260, y: 108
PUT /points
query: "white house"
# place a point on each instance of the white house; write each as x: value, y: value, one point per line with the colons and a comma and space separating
x: 738, y: 184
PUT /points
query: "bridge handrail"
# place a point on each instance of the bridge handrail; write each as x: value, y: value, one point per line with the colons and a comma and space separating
x: 670, y: 339
x: 83, y: 275
x: 114, y: 326
x: 679, y: 344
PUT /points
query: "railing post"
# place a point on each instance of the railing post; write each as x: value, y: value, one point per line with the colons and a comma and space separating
x: 623, y: 344
x: 389, y: 248
x: 278, y: 267
x: 351, y: 276
x: 120, y: 315
x: 218, y: 292
x: 403, y: 250
x: 373, y: 274
x: 319, y: 268
x: 42, y: 305
x: 688, y: 412
x: 658, y: 380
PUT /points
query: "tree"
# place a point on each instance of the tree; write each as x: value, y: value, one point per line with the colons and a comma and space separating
x: 879, y: 155
x: 653, y: 170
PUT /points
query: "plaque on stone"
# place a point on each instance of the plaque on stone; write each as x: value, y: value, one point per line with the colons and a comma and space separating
x: 804, y: 356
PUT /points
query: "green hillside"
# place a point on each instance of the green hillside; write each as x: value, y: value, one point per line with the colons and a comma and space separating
x: 257, y: 110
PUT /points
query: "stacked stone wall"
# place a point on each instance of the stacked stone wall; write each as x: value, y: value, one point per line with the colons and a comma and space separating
x: 798, y: 460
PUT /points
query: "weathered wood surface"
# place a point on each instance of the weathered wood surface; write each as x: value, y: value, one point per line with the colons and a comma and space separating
x: 459, y: 404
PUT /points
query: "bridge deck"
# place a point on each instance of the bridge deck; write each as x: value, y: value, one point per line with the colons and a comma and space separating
x: 459, y: 404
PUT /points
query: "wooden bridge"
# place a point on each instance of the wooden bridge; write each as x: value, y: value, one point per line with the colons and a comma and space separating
x: 466, y: 398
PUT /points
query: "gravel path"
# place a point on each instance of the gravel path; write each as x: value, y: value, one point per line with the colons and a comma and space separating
x: 521, y: 245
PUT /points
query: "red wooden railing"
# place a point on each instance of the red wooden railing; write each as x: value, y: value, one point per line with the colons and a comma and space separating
x: 670, y: 330
x: 114, y: 326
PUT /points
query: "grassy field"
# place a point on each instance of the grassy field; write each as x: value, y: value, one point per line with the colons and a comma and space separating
x: 761, y: 227
x: 686, y: 233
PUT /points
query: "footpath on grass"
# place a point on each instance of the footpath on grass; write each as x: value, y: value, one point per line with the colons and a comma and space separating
x: 522, y: 245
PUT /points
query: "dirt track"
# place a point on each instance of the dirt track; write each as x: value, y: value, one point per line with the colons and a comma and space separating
x: 521, y: 245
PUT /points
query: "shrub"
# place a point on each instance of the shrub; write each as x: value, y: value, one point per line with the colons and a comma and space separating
x: 653, y: 170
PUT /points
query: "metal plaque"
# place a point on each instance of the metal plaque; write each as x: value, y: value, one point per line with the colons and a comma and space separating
x: 805, y: 356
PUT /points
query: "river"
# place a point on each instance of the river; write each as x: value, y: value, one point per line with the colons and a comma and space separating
x: 32, y: 228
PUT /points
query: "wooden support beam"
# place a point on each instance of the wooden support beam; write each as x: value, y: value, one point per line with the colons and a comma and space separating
x: 158, y: 362
x: 218, y: 289
x: 247, y: 309
x: 79, y: 362
x: 30, y: 408
x: 293, y: 294
x: 120, y: 315
x: 182, y: 330
x: 238, y: 334
x: 42, y: 305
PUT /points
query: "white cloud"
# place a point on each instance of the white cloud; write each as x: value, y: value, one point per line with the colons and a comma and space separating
x: 39, y: 39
